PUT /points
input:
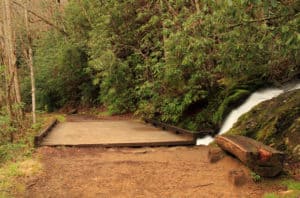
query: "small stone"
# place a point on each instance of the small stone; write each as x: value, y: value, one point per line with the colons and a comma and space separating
x: 237, y: 177
x: 215, y: 154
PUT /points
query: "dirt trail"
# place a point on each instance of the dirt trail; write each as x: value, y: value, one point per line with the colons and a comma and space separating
x: 137, y: 172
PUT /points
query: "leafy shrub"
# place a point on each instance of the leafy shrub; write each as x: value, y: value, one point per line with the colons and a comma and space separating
x: 6, y: 127
x: 164, y: 58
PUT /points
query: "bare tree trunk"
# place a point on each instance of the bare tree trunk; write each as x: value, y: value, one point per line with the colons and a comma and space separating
x: 11, y: 54
x: 41, y: 18
x: 7, y: 70
x: 30, y: 64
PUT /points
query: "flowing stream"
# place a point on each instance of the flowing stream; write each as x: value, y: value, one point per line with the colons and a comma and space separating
x: 254, y: 99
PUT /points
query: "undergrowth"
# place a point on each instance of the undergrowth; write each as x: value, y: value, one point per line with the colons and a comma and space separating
x: 16, y: 159
x: 293, y: 190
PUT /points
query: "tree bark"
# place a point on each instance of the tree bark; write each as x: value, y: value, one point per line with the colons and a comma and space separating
x: 10, y: 53
x: 30, y: 63
x: 7, y: 70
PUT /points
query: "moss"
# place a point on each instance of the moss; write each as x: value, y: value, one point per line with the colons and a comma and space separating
x: 229, y: 103
x: 275, y: 122
x: 210, y: 113
x: 292, y: 139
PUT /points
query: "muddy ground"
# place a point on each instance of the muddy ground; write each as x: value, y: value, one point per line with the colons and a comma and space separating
x: 138, y: 172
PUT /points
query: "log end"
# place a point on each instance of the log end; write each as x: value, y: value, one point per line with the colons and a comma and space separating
x: 261, y: 158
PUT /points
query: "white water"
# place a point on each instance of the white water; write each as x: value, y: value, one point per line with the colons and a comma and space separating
x: 254, y: 99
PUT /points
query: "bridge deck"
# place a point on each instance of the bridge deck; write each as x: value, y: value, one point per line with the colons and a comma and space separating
x: 112, y: 133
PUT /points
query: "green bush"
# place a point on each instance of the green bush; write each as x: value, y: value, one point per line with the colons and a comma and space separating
x: 7, y: 129
x: 170, y: 60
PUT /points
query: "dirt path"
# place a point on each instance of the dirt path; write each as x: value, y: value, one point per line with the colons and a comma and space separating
x: 141, y: 172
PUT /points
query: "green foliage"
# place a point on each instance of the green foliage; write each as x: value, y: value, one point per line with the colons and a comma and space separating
x: 168, y: 59
x: 7, y: 127
x: 61, y: 118
x: 293, y: 190
x: 22, y: 146
x: 229, y: 103
x: 61, y: 75
x: 292, y: 185
x: 10, y: 174
x: 255, y: 177
x: 270, y: 195
x: 7, y: 151
x: 16, y: 157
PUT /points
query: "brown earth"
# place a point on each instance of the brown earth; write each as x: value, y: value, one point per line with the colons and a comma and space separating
x: 138, y: 172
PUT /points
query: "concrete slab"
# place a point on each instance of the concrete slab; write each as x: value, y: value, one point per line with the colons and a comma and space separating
x: 112, y: 133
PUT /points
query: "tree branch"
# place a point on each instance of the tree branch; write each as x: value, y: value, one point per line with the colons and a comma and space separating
x: 260, y: 20
x: 41, y: 18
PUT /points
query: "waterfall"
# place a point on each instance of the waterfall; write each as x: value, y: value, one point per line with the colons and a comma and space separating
x: 253, y: 100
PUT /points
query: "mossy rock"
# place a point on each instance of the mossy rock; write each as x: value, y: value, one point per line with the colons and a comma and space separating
x: 231, y: 101
x: 275, y: 122
x: 293, y: 139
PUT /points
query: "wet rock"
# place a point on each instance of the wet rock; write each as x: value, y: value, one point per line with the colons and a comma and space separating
x: 275, y: 122
x: 237, y: 177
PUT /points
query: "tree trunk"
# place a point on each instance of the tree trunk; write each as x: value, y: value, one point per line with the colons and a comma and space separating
x: 30, y: 64
x: 7, y: 71
x: 10, y: 53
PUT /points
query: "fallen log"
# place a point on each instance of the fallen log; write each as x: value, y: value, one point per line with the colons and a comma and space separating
x: 262, y: 159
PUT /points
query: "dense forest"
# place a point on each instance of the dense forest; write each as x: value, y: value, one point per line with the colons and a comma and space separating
x: 184, y: 62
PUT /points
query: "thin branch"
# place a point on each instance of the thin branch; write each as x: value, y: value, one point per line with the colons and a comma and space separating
x: 174, y: 13
x: 41, y: 18
x: 260, y: 20
x: 134, y: 49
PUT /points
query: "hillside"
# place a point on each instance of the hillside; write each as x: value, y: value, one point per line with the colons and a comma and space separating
x: 275, y: 122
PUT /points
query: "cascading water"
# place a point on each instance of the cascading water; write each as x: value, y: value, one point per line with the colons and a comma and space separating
x: 255, y: 98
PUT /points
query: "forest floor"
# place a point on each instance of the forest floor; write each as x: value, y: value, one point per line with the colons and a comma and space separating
x: 138, y: 172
